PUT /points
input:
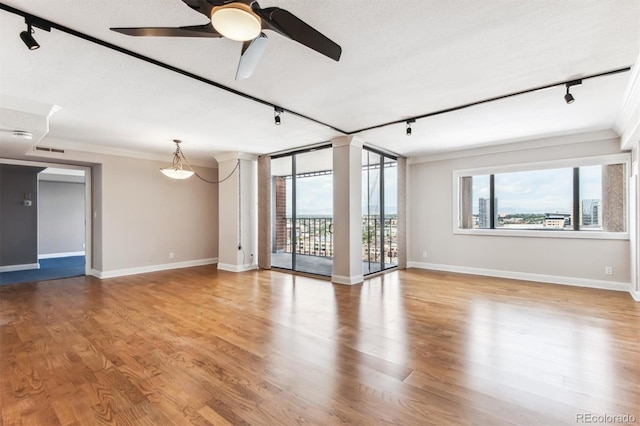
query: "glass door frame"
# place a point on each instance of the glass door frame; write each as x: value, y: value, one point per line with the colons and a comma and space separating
x: 381, y: 214
x: 294, y: 204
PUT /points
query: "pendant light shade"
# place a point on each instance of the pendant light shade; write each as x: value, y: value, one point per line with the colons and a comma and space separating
x: 176, y: 171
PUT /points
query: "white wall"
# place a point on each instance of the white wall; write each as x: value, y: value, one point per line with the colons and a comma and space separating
x: 60, y: 217
x: 563, y: 260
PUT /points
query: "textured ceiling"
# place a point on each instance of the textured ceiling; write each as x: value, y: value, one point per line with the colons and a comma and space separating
x: 397, y: 62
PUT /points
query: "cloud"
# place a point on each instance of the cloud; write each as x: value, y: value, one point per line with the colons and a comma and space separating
x: 538, y: 191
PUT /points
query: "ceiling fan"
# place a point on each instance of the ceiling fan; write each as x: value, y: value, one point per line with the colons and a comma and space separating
x: 244, y: 20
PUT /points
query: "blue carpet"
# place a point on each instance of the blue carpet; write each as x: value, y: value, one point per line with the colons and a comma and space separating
x: 50, y: 269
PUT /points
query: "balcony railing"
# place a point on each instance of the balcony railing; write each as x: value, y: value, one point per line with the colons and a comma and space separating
x: 314, y: 237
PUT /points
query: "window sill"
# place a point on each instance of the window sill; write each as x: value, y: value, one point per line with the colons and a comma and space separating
x: 589, y: 235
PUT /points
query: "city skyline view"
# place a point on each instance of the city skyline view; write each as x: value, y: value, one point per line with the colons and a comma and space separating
x: 539, y: 191
x: 315, y: 196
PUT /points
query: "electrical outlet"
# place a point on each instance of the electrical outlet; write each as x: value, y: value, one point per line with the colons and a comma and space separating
x: 424, y: 254
x: 172, y: 255
x: 608, y: 270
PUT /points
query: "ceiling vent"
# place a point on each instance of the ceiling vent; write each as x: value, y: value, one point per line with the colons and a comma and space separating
x: 45, y: 149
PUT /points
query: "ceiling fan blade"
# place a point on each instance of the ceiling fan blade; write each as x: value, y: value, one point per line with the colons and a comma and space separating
x: 289, y: 25
x: 251, y: 53
x: 206, y: 30
x: 201, y: 6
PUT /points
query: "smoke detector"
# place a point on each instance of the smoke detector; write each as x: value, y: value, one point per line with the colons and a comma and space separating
x: 22, y: 134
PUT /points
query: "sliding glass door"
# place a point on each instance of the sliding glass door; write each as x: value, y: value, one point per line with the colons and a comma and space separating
x: 302, y: 211
x: 379, y: 211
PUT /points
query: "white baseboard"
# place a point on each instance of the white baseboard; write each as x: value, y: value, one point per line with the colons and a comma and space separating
x: 525, y: 276
x: 56, y: 255
x: 343, y: 279
x: 152, y: 268
x: 635, y: 294
x: 24, y: 267
x: 236, y: 268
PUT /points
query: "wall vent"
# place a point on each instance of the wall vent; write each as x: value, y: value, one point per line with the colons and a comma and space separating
x: 44, y: 148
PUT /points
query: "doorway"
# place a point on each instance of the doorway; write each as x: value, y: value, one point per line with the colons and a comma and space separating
x: 302, y: 211
x: 45, y: 221
x: 379, y: 211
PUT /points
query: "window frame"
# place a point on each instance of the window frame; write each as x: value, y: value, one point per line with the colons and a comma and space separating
x: 600, y: 160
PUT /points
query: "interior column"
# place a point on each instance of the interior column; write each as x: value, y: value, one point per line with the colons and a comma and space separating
x: 347, y: 210
x: 237, y: 222
x: 264, y: 209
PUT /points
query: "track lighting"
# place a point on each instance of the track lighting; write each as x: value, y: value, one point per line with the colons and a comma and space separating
x: 28, y: 39
x: 568, y: 97
x: 411, y: 120
x: 276, y: 114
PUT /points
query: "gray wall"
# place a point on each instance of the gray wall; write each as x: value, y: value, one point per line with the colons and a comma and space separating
x: 431, y: 218
x: 18, y: 223
x: 61, y: 217
x: 141, y: 216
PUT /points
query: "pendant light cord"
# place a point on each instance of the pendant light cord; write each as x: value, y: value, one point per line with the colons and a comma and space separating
x: 206, y: 180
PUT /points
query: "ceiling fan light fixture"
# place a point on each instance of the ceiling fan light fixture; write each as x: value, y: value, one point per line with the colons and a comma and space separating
x: 236, y: 21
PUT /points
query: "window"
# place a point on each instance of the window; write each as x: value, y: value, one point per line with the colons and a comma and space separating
x: 544, y: 198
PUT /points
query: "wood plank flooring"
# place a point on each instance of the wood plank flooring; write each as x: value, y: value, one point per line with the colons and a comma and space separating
x: 201, y: 346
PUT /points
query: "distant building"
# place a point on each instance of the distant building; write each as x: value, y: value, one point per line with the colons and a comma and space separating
x: 591, y: 213
x: 557, y: 220
x: 484, y: 212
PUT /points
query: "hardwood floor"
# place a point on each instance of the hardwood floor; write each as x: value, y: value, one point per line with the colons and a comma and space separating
x: 201, y: 346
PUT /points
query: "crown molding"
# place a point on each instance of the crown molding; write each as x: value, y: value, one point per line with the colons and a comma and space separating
x: 227, y: 156
x: 79, y: 147
x: 576, y: 138
x: 628, y: 123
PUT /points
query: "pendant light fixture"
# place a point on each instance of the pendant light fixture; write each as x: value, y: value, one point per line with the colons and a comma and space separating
x: 176, y: 170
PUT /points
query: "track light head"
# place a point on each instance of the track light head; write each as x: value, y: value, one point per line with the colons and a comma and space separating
x: 28, y: 39
x: 568, y: 97
x: 276, y: 115
x: 412, y: 120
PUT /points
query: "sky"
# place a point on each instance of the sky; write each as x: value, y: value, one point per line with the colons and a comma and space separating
x: 539, y: 191
x: 315, y: 194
